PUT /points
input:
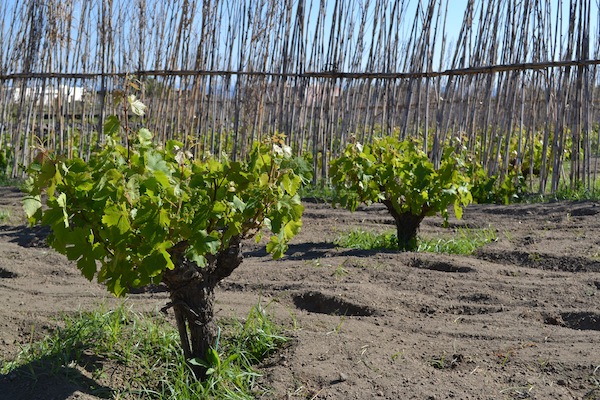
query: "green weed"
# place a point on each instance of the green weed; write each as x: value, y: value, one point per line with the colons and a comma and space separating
x: 338, y: 327
x: 146, y: 349
x: 367, y: 240
x: 5, y: 180
x: 579, y: 192
x: 464, y: 241
x: 4, y: 216
x: 255, y: 338
x: 398, y: 354
x: 340, y: 272
x: 438, y: 362
x: 518, y: 392
x: 446, y: 362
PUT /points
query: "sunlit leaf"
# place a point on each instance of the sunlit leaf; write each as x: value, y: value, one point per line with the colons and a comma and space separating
x: 155, y: 162
x: 239, y: 204
x: 137, y: 107
x: 276, y: 247
x: 61, y: 200
x: 144, y: 137
x: 32, y: 205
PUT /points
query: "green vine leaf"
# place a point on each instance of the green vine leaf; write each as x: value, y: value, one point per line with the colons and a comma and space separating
x: 32, y: 205
x: 144, y: 137
x: 112, y: 126
x: 116, y: 215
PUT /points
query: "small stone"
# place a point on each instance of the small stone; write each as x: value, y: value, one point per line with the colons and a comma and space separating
x: 343, y: 377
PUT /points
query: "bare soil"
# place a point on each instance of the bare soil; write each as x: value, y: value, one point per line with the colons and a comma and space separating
x: 519, y: 319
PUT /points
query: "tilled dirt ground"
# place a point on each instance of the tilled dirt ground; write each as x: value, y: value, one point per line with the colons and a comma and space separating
x: 519, y: 319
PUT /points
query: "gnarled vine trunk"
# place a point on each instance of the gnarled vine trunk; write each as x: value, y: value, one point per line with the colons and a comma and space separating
x: 192, y: 295
x: 407, y: 226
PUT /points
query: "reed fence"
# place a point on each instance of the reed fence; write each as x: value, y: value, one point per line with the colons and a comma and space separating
x: 514, y: 80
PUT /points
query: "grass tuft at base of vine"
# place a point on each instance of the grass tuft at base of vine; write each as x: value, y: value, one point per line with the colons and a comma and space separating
x: 133, y: 355
x: 464, y: 241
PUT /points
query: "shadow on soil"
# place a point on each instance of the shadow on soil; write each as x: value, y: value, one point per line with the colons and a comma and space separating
x: 580, y: 320
x: 314, y: 251
x: 6, y: 274
x: 26, y: 236
x: 439, y: 266
x: 42, y: 379
x: 321, y: 303
x: 539, y: 261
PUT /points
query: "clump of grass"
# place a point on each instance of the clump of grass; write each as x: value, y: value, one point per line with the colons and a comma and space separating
x: 255, y: 338
x: 4, y: 216
x: 464, y: 241
x: 577, y: 193
x: 367, y: 240
x: 339, y: 272
x: 5, y: 180
x: 147, y: 351
x: 119, y: 338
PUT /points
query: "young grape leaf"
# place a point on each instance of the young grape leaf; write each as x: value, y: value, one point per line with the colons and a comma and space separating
x: 144, y: 137
x: 137, y: 107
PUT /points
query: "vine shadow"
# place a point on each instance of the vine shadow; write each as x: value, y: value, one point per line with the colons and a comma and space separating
x: 316, y: 250
x: 43, y: 379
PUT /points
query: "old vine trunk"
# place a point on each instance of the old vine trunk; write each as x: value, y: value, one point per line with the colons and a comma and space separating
x: 192, y: 295
x: 407, y: 227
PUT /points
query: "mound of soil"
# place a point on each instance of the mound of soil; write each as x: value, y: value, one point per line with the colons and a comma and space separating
x: 519, y: 319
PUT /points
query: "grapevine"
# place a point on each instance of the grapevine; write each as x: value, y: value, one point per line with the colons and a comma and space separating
x: 400, y: 175
x: 137, y: 213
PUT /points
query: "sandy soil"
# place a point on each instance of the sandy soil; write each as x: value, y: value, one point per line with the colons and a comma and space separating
x: 519, y: 319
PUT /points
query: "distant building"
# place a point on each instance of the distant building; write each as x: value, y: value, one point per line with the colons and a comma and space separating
x: 48, y: 95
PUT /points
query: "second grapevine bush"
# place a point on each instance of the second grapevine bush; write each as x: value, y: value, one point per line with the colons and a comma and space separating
x: 400, y: 175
